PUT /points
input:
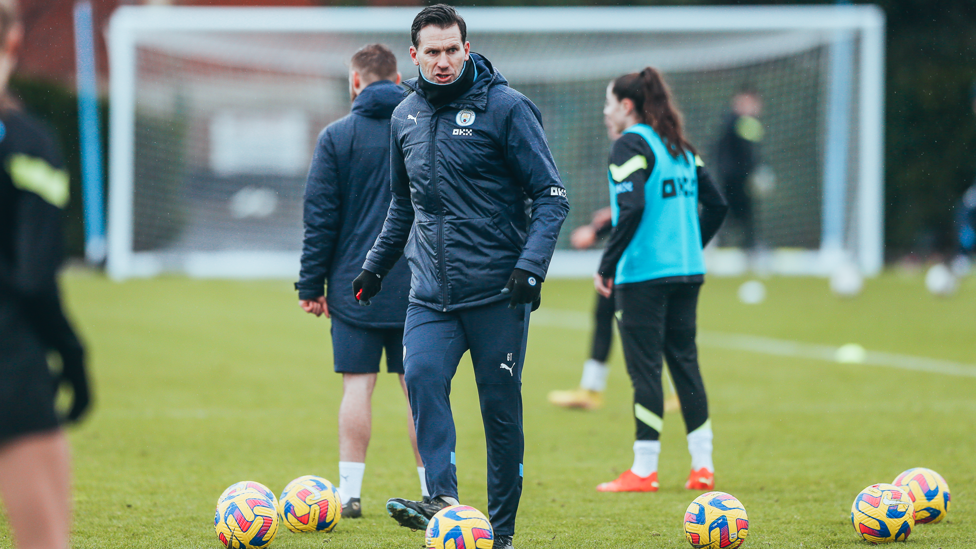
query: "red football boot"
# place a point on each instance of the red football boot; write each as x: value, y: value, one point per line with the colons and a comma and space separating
x: 629, y: 482
x: 702, y: 479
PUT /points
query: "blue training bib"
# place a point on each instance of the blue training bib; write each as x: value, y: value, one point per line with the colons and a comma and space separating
x: 668, y: 240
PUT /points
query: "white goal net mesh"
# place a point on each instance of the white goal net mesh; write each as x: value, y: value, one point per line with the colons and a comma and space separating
x: 224, y: 123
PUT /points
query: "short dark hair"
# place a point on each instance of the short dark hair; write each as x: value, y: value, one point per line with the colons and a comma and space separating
x: 748, y: 88
x: 376, y: 60
x: 441, y: 15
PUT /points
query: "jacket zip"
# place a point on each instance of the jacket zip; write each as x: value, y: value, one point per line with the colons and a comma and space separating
x: 440, y: 210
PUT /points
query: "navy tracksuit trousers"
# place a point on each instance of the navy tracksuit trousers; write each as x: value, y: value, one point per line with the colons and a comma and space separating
x: 433, y: 343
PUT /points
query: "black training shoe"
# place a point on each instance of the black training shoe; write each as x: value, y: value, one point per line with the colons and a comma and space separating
x: 414, y: 514
x: 503, y: 542
x: 352, y: 509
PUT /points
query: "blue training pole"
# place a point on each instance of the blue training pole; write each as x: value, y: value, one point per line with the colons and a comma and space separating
x: 93, y: 195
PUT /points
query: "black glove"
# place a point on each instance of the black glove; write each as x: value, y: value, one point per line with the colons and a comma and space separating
x: 58, y: 335
x: 73, y: 375
x: 366, y: 286
x: 524, y: 287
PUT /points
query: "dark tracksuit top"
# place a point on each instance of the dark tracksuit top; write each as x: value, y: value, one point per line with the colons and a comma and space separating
x: 33, y: 193
x: 460, y: 176
x: 736, y: 154
x: 346, y: 197
x: 736, y: 158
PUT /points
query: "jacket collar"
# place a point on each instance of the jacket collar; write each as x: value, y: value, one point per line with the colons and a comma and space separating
x: 476, y: 97
x: 378, y: 100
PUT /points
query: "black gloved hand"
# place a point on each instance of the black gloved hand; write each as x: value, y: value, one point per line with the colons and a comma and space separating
x: 366, y: 286
x: 47, y: 317
x: 73, y: 375
x: 524, y: 287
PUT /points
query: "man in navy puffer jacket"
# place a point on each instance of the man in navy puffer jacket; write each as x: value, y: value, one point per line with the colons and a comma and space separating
x: 467, y: 152
x: 346, y: 197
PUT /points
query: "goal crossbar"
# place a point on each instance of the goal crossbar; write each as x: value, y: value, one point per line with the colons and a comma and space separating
x: 130, y: 24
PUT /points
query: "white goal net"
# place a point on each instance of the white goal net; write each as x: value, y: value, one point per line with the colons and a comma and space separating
x: 214, y: 114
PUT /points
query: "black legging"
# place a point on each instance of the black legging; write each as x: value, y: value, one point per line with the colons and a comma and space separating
x: 661, y: 319
x: 602, y: 328
x: 741, y: 213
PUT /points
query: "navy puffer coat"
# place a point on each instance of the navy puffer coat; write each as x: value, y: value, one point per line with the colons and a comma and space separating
x: 460, y: 177
x: 346, y: 197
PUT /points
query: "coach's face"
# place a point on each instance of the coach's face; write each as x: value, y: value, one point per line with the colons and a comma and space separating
x: 440, y: 54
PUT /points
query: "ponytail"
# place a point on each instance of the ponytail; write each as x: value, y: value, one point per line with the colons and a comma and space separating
x: 655, y: 106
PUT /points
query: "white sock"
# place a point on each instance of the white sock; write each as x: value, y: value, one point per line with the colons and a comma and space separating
x: 594, y: 375
x: 350, y: 480
x: 422, y: 472
x: 700, y: 447
x: 645, y: 457
x: 449, y: 500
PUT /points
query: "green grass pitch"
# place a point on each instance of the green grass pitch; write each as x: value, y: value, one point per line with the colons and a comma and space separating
x: 204, y: 383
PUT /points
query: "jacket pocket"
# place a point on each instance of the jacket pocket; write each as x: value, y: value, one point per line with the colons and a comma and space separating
x: 479, y: 259
x: 504, y: 227
x: 421, y: 254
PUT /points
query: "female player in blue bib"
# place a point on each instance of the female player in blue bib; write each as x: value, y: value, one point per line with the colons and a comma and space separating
x: 665, y: 210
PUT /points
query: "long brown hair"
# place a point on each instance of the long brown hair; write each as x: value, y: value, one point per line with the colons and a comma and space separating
x: 654, y: 104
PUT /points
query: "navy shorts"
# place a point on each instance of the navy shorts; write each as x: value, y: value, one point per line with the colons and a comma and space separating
x: 26, y: 390
x: 358, y: 350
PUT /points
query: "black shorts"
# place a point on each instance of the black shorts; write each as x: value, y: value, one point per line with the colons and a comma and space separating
x: 27, y: 389
x: 358, y: 350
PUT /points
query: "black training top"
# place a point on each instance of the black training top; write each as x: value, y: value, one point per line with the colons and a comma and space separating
x: 33, y: 192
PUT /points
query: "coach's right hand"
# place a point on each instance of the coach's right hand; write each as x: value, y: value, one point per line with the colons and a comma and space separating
x: 524, y: 288
x: 365, y: 286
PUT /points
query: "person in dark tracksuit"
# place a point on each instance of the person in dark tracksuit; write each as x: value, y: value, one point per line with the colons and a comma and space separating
x: 35, y: 472
x: 346, y: 197
x: 737, y: 159
x: 965, y: 218
x: 589, y: 394
x: 655, y: 267
x: 467, y: 152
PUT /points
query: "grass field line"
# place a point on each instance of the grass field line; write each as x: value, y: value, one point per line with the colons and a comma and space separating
x: 575, y: 320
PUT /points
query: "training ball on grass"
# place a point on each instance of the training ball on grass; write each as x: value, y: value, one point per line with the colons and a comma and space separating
x: 246, y: 485
x: 459, y: 527
x: 752, y: 292
x: 940, y: 281
x: 246, y: 520
x: 716, y: 520
x: 929, y: 493
x: 960, y: 266
x: 883, y: 513
x: 310, y: 504
x: 852, y: 353
x: 846, y: 280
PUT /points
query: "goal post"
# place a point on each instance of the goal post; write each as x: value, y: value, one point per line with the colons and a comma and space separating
x: 214, y: 113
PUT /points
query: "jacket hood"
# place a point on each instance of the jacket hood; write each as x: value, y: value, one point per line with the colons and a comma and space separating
x: 378, y: 100
x: 476, y: 97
